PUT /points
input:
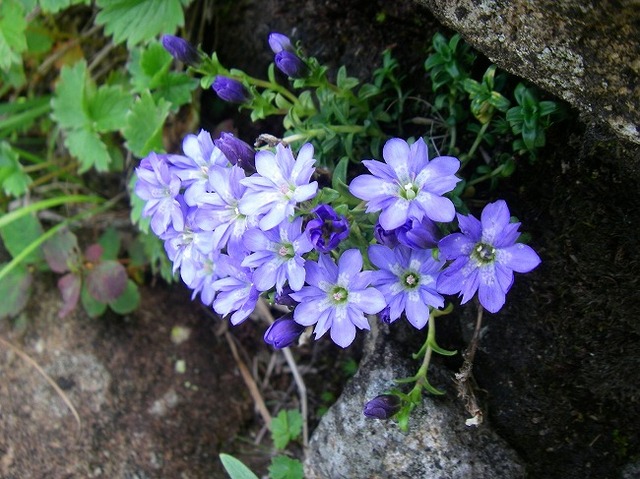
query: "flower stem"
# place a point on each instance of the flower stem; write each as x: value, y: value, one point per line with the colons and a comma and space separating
x: 467, y: 156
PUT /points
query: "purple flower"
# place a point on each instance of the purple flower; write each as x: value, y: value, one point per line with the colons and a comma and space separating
x: 180, y: 245
x: 193, y: 168
x: 419, y: 234
x: 280, y: 183
x: 279, y: 42
x: 485, y: 255
x: 407, y: 185
x: 230, y: 90
x: 202, y: 272
x: 181, y: 50
x: 383, y: 406
x: 328, y: 229
x: 237, y: 151
x: 282, y: 298
x: 159, y: 186
x: 277, y: 255
x: 290, y: 64
x: 283, y: 332
x: 219, y: 210
x: 407, y: 279
x: 337, y: 297
x: 236, y: 292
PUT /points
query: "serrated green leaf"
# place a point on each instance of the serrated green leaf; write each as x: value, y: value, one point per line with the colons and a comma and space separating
x: 89, y: 149
x: 13, y: 179
x: 68, y: 103
x: 287, y: 425
x: 20, y: 233
x: 176, y: 88
x: 108, y: 108
x: 283, y: 467
x: 93, y: 307
x: 128, y: 301
x: 147, y: 65
x: 12, y: 33
x: 136, y: 21
x: 54, y: 6
x: 15, y: 289
x: 143, y: 130
x: 235, y: 468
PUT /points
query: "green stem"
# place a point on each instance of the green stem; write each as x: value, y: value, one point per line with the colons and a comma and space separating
x: 488, y: 176
x: 479, y: 137
x: 44, y: 204
x: 48, y: 234
x: 273, y: 86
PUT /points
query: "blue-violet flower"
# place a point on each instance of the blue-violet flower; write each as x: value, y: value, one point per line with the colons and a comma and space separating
x: 280, y: 183
x: 407, y: 185
x: 159, y: 186
x: 277, y: 255
x: 327, y: 229
x: 279, y: 42
x: 485, y: 255
x: 236, y: 292
x: 337, y: 297
x: 407, y: 279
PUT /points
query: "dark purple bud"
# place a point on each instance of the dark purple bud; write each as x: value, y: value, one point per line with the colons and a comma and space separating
x: 283, y: 332
x: 282, y: 298
x: 385, y: 315
x: 383, y: 406
x: 328, y: 229
x: 385, y: 237
x: 419, y: 234
x: 279, y: 42
x: 289, y: 64
x: 230, y: 90
x: 181, y: 50
x: 237, y: 151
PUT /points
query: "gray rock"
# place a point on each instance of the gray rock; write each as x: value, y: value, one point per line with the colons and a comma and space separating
x: 586, y: 53
x: 437, y: 444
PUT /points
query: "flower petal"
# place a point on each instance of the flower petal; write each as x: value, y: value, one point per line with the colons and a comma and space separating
x: 396, y: 153
x: 495, y: 217
x: 521, y: 258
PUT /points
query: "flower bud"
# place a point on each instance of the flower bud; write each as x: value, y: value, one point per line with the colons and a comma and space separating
x: 289, y: 64
x: 283, y: 299
x: 181, y: 50
x: 230, y: 90
x: 237, y: 151
x: 383, y: 406
x: 279, y: 42
x: 328, y: 229
x: 283, y: 332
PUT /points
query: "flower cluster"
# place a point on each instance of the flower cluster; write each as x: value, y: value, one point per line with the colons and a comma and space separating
x: 238, y: 227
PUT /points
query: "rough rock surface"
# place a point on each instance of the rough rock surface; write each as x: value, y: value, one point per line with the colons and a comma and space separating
x: 438, y: 445
x: 585, y: 52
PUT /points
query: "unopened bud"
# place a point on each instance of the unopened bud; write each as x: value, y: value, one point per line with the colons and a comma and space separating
x: 383, y: 406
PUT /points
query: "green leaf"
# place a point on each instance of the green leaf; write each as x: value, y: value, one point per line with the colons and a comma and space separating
x: 39, y: 38
x: 68, y: 104
x: 13, y: 179
x: 15, y: 289
x: 20, y: 233
x: 287, y: 425
x: 108, y: 108
x: 283, y: 467
x: 89, y: 149
x: 54, y: 6
x: 110, y: 242
x: 235, y: 468
x: 128, y: 301
x: 92, y: 306
x: 339, y: 176
x: 143, y: 130
x: 12, y: 33
x: 136, y: 21
x: 148, y: 65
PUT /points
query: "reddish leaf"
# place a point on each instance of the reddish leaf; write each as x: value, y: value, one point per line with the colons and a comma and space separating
x: 69, y: 286
x: 107, y: 281
x: 93, y: 253
x: 61, y: 251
